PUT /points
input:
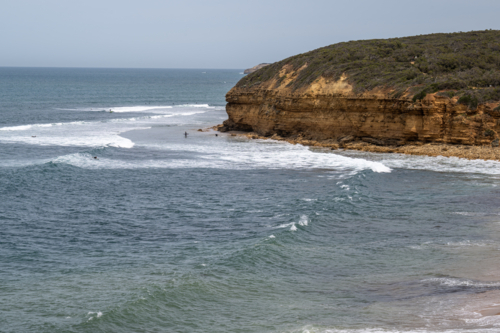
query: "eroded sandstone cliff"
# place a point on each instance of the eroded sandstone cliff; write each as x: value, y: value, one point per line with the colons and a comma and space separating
x: 340, y: 102
x: 331, y: 111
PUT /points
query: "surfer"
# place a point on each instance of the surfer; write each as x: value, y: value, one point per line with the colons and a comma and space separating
x: 95, y: 158
x: 185, y: 134
x: 216, y: 134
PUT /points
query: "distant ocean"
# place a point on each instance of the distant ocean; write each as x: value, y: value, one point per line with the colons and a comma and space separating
x: 166, y: 233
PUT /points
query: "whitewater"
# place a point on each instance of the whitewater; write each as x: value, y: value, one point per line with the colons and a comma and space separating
x: 113, y: 220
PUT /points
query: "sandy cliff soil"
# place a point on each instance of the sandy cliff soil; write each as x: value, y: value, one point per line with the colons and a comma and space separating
x: 331, y: 114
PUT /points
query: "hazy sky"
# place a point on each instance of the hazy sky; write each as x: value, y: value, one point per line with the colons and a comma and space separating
x: 214, y: 34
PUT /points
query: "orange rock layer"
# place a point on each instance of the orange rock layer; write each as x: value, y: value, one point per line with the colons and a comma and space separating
x: 331, y: 111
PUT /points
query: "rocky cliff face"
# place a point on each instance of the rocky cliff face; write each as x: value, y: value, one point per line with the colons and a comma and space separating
x: 331, y: 111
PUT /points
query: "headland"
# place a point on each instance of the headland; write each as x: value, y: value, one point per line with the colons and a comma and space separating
x: 431, y: 95
x: 255, y: 68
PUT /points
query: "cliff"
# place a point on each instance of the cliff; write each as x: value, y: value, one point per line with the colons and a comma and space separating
x: 383, y: 92
x: 255, y: 68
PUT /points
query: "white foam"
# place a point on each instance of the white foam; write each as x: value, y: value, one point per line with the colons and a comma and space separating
x: 141, y: 108
x: 442, y: 164
x: 16, y: 128
x: 234, y: 154
x: 382, y: 330
x: 221, y: 159
x: 272, y: 236
x: 453, y: 282
x: 430, y: 163
x: 138, y: 108
x: 453, y: 245
x: 303, y: 220
x: 270, y: 154
x: 286, y: 225
x: 91, y: 133
x: 467, y: 243
x: 84, y: 137
x: 94, y: 315
x: 206, y: 106
x: 484, y: 321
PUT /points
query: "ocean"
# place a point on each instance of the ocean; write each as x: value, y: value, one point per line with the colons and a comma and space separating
x: 112, y: 220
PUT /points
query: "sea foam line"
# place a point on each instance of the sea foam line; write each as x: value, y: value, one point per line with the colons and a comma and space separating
x: 453, y: 282
x: 382, y: 330
x: 82, y: 122
x: 430, y: 163
x: 138, y: 108
x: 247, y: 156
x: 275, y: 155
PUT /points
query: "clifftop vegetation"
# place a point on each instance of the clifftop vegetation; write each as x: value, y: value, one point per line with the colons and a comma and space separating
x: 465, y: 64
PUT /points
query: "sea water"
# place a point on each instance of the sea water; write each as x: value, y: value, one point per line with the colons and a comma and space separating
x: 112, y: 220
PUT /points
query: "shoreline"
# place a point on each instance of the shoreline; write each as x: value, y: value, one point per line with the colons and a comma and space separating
x: 486, y: 153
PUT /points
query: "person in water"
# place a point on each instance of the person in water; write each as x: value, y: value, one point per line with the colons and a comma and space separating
x: 186, y: 134
x: 95, y: 157
x: 216, y: 134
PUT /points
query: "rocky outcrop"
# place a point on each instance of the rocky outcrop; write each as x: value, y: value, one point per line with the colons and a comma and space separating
x: 255, y: 68
x: 415, y: 148
x: 427, y: 90
x: 331, y: 111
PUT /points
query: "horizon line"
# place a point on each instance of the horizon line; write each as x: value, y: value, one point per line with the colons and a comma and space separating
x: 77, y: 67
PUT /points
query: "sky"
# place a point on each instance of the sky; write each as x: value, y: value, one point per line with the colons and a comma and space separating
x: 214, y: 34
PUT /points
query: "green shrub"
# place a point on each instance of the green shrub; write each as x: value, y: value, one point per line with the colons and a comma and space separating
x: 449, y: 94
x: 464, y: 100
x: 471, y: 101
x: 489, y: 132
x: 427, y: 90
x: 455, y: 61
x: 397, y: 94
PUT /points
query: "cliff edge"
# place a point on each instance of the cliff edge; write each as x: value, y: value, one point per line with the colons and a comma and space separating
x: 439, y: 88
x: 255, y: 68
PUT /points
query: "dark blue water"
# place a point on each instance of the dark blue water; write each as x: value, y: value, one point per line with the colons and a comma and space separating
x: 163, y: 233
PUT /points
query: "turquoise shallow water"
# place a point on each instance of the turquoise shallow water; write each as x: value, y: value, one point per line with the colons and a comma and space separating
x: 163, y: 233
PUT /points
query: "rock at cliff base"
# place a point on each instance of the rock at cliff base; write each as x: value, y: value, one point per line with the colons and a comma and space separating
x: 346, y: 139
